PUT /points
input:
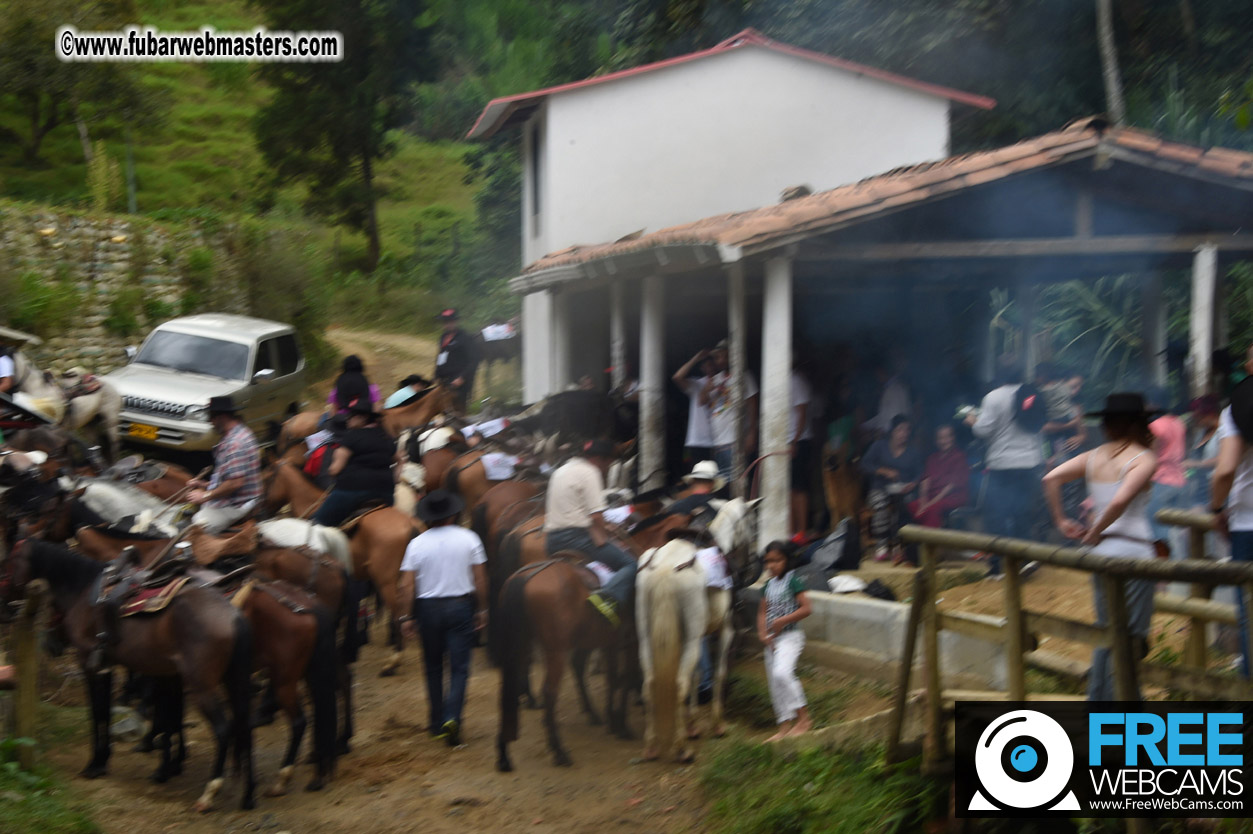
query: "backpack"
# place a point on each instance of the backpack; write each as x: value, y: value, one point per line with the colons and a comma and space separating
x: 1030, y: 409
x: 318, y: 462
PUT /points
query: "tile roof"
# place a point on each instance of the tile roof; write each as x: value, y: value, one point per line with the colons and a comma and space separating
x: 776, y: 225
x: 499, y: 112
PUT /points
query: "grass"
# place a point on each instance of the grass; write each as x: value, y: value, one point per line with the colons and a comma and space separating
x: 748, y: 696
x: 756, y: 789
x: 39, y: 801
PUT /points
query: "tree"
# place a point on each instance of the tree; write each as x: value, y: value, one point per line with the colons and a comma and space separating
x: 327, y: 123
x: 1115, y: 104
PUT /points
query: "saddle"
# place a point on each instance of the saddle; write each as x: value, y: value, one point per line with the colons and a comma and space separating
x: 87, y: 384
x: 350, y: 525
x: 208, y: 549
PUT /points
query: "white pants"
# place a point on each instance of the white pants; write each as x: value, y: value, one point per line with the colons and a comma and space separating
x: 785, y: 688
x: 216, y: 519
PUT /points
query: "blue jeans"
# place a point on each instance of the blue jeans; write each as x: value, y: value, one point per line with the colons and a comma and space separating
x: 724, y: 456
x: 446, y: 627
x: 341, y: 503
x: 620, y: 586
x: 1164, y: 497
x: 1139, y: 594
x: 1011, y: 496
x: 1242, y: 551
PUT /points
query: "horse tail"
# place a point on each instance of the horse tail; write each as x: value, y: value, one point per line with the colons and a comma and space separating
x: 239, y: 691
x: 320, y: 678
x: 664, y: 626
x: 508, y: 560
x: 511, y: 652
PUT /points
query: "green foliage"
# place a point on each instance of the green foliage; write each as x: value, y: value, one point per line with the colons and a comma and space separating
x: 122, y: 316
x: 104, y: 179
x: 40, y: 305
x: 198, y: 286
x: 35, y: 802
x: 755, y: 789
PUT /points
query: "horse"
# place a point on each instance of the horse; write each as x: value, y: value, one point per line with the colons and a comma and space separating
x: 547, y: 602
x: 675, y: 609
x: 198, y: 637
x: 431, y: 402
x: 377, y: 540
x: 39, y: 391
x: 160, y: 480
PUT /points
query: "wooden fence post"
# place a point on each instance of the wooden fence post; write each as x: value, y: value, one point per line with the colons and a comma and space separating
x: 933, y: 750
x: 1125, y: 688
x: 1194, y: 650
x: 1015, y: 663
x: 26, y: 659
x: 900, y: 698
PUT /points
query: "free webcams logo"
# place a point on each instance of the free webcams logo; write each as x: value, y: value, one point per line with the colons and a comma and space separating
x: 1155, y: 759
x: 1024, y: 761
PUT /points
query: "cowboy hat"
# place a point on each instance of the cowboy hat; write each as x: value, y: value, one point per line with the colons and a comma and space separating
x: 363, y: 407
x: 598, y: 449
x: 439, y: 504
x: 223, y: 405
x: 1124, y: 404
x: 448, y: 315
x: 706, y: 470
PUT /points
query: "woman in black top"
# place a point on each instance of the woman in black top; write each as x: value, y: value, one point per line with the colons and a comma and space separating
x: 361, y: 466
x: 894, y: 467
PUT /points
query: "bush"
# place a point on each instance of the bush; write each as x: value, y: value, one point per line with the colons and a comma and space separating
x: 42, y: 306
x: 198, y: 273
x: 123, y: 312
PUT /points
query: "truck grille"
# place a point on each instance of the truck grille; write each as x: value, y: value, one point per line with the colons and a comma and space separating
x: 145, y: 405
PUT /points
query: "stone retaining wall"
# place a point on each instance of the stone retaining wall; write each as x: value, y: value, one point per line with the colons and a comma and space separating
x: 104, y: 256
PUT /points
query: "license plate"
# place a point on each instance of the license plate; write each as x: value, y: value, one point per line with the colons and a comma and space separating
x: 143, y: 432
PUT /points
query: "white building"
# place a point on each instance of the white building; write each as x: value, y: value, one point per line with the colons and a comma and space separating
x: 723, y: 130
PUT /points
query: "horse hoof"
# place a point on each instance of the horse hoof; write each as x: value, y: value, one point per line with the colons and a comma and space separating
x: 144, y: 745
x: 316, y: 785
x: 248, y: 804
x: 693, y: 733
x: 262, y: 719
x: 342, y: 748
x: 160, y: 776
x: 719, y: 731
x: 93, y: 771
x: 686, y: 757
x: 387, y: 673
x: 625, y: 735
x: 504, y: 766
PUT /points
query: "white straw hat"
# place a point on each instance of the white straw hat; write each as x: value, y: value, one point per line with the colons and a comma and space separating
x: 706, y: 470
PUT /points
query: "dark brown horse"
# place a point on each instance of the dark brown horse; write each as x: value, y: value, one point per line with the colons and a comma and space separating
x: 377, y: 540
x: 546, y: 603
x: 198, y: 637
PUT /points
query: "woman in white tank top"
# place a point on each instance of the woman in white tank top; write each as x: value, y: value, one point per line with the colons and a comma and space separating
x: 1119, y: 476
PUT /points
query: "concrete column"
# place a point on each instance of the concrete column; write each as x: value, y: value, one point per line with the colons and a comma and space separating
x: 1153, y: 326
x: 776, y: 375
x: 1201, y: 320
x: 617, y: 335
x: 563, y: 304
x: 652, y: 369
x: 736, y: 338
x: 537, y: 363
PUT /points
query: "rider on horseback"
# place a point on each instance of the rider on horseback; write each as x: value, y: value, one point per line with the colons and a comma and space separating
x: 573, y: 521
x: 235, y: 486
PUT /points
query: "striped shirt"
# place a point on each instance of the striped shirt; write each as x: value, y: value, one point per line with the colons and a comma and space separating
x: 236, y: 456
x: 780, y: 594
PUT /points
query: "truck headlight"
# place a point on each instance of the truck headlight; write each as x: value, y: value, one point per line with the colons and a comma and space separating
x: 197, y: 413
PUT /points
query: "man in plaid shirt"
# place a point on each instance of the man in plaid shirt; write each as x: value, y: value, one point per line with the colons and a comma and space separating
x: 235, y: 486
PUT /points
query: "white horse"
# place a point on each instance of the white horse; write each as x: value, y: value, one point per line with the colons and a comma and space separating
x: 675, y: 609
x: 40, y: 392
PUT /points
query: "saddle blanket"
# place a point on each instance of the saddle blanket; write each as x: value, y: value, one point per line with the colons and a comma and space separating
x: 717, y: 572
x: 316, y: 439
x: 603, y: 572
x: 617, y: 515
x: 488, y: 428
x: 497, y: 332
x: 499, y: 466
x: 152, y: 600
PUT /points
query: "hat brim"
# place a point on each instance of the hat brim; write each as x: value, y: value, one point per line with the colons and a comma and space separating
x: 455, y: 506
x: 718, y: 481
x: 1148, y: 412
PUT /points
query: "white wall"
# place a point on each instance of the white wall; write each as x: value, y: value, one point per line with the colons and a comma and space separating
x: 724, y: 133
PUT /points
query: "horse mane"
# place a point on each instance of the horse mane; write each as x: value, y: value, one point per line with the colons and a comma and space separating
x: 61, y: 566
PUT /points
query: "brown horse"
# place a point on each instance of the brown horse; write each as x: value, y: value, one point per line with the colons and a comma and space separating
x: 432, y: 402
x: 468, y: 478
x: 547, y: 603
x: 377, y: 540
x: 502, y: 507
x: 197, y: 637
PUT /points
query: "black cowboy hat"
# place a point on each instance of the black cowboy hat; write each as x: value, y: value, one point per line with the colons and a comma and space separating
x: 448, y: 315
x: 1125, y: 404
x: 1242, y: 408
x: 439, y: 504
x: 223, y: 405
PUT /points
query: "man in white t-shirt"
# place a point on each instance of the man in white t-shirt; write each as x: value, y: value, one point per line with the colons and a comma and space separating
x: 1232, y: 489
x: 574, y: 509
x: 716, y: 395
x: 444, y: 571
x: 7, y: 372
x: 698, y: 445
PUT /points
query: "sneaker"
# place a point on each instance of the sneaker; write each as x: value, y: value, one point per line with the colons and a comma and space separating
x: 450, y: 732
x: 607, y: 607
x: 1028, y: 569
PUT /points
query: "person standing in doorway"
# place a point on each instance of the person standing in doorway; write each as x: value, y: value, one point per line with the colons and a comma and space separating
x: 457, y: 360
x: 444, y: 572
x: 716, y: 396
x: 698, y: 444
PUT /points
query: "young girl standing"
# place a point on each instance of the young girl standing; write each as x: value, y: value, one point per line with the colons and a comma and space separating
x: 784, y: 604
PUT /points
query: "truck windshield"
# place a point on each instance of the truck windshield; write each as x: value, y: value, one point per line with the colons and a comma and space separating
x: 195, y: 354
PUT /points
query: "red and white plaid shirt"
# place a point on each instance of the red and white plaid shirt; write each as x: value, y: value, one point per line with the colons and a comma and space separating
x: 236, y: 456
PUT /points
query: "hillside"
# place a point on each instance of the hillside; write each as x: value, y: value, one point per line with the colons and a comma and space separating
x: 201, y: 158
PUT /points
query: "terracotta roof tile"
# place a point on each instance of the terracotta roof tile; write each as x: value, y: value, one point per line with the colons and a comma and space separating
x: 828, y: 210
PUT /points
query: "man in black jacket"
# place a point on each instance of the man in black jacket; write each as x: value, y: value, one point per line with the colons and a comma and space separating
x: 457, y: 360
